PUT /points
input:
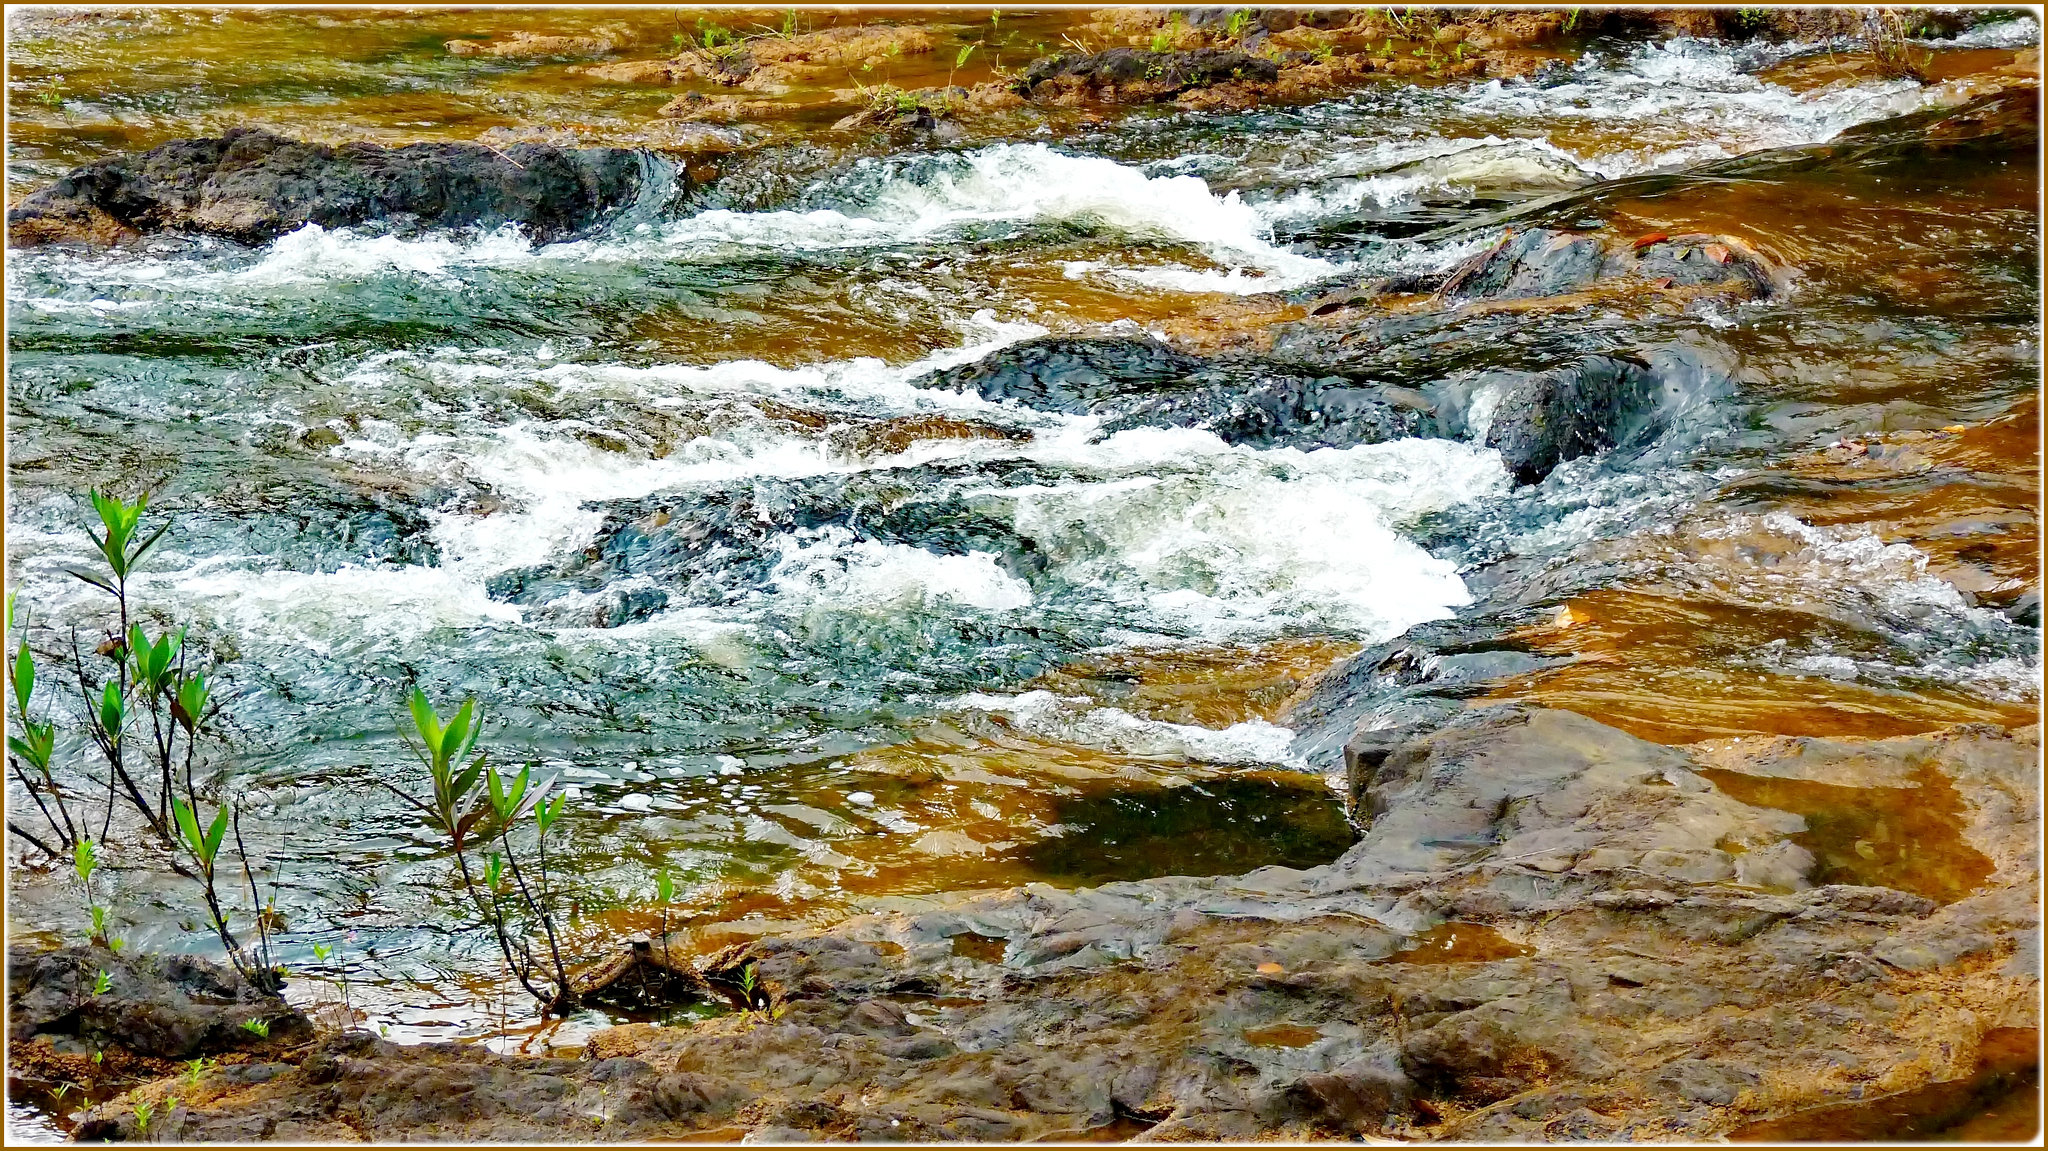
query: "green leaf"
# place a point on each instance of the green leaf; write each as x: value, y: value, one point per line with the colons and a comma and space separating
x: 95, y: 581
x: 665, y: 885
x: 428, y: 723
x: 190, y: 703
x: 111, y: 711
x: 458, y: 727
x: 141, y: 549
x: 85, y: 859
x: 494, y: 871
x: 38, y: 756
x: 467, y: 781
x: 188, y: 825
x: 214, y: 833
x: 961, y: 59
x: 545, y: 814
x: 24, y: 677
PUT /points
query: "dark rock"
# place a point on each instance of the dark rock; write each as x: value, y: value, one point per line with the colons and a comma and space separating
x: 1066, y: 374
x: 1538, y: 262
x: 1133, y: 75
x: 1543, y: 262
x: 252, y: 186
x: 1574, y: 847
x: 1546, y: 418
x: 1140, y: 382
x: 1601, y: 402
x: 168, y: 1006
x: 1352, y: 1101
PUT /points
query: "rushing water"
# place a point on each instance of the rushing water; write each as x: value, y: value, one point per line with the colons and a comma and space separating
x: 671, y: 502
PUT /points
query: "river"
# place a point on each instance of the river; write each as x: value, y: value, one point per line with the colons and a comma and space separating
x: 677, y: 503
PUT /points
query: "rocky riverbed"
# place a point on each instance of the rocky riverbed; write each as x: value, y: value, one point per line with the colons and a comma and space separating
x: 1550, y: 930
x: 1430, y: 575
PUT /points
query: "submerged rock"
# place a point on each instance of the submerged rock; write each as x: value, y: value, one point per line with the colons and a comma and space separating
x: 252, y: 186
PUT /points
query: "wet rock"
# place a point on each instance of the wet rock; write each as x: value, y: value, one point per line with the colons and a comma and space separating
x: 1141, y: 382
x: 165, y: 1006
x: 1572, y: 843
x: 541, y: 45
x: 1543, y: 262
x: 1072, y: 375
x: 252, y: 186
x: 1134, y: 76
x: 1545, y: 418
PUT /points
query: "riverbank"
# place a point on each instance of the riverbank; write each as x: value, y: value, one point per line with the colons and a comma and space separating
x: 1550, y: 930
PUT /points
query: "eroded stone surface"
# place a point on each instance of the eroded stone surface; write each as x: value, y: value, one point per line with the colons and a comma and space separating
x: 251, y: 185
x: 1645, y: 978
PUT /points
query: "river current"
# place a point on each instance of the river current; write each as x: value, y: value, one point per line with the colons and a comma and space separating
x: 913, y: 634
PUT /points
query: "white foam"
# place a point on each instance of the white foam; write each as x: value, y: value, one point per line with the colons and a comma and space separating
x: 1407, y: 170
x: 882, y: 204
x: 1075, y: 720
x: 2020, y: 33
x: 1685, y: 100
x: 830, y: 569
x: 1228, y: 542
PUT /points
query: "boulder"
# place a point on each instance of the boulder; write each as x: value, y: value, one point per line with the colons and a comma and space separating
x: 252, y: 186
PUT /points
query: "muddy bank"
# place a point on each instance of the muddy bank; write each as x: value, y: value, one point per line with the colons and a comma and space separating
x: 1550, y: 930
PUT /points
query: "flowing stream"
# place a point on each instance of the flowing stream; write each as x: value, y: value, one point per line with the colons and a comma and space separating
x: 672, y: 502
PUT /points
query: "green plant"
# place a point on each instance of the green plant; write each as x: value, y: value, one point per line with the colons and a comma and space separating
x: 99, y: 1056
x: 1162, y: 40
x: 85, y: 863
x: 1239, y: 21
x: 102, y: 983
x: 1571, y: 19
x: 1890, y: 37
x: 31, y: 751
x: 260, y: 1028
x: 143, y: 1112
x: 153, y: 681
x: 195, y: 1070
x: 471, y: 805
x: 1322, y: 50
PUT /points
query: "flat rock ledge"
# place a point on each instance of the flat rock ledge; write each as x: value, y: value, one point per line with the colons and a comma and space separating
x: 1549, y: 930
x: 252, y: 186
